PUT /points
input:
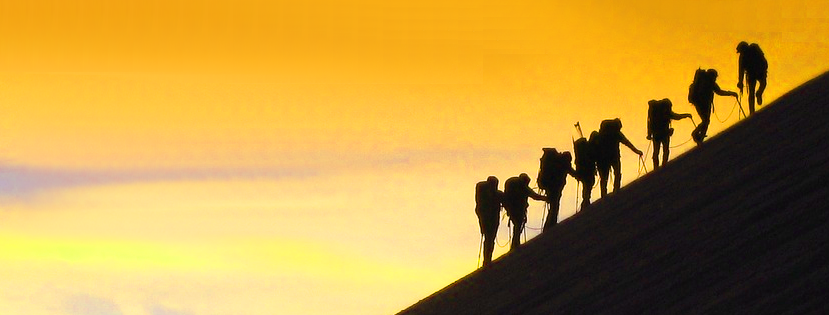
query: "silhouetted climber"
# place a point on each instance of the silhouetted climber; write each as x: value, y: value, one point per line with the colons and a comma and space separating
x: 488, y: 208
x: 607, y: 146
x: 754, y: 66
x: 660, y: 114
x: 701, y: 95
x: 584, y: 150
x: 516, y: 191
x: 552, y: 176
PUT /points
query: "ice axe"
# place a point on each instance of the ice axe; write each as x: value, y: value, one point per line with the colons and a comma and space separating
x: 578, y: 128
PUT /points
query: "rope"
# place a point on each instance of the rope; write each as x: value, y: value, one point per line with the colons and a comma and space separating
x: 544, y: 215
x: 729, y: 114
x: 509, y: 233
x: 689, y: 137
x: 643, y: 168
x: 531, y: 228
x: 681, y: 144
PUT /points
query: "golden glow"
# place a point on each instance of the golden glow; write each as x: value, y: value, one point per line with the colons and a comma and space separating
x: 164, y: 153
x: 95, y: 253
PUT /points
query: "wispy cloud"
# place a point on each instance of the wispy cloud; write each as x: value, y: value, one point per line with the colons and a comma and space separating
x: 23, y: 181
x: 161, y: 310
x: 90, y: 305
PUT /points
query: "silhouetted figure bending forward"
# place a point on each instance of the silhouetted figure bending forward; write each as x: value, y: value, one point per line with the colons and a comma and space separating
x: 701, y: 95
x: 660, y: 114
x: 488, y: 209
x: 754, y: 67
x: 607, y: 147
x: 552, y: 176
x: 586, y: 165
x: 516, y: 192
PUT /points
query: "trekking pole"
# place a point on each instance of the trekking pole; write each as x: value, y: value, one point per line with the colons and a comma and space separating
x: 648, y: 150
x: 578, y: 183
x: 740, y: 103
x: 545, y: 214
x: 524, y: 229
x: 480, y: 250
x: 642, y: 166
x: 524, y: 232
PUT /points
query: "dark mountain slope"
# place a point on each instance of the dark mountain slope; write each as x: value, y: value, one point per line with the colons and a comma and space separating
x: 738, y: 225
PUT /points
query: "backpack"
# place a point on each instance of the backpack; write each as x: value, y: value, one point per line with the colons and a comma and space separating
x: 659, y: 108
x: 581, y: 148
x: 554, y: 166
x: 659, y: 112
x: 696, y: 91
x: 482, y: 192
x: 759, y: 61
x: 549, y: 161
x: 607, y: 143
x: 512, y: 196
x: 609, y: 126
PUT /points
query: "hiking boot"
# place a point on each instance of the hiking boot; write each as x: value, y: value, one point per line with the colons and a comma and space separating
x: 698, y: 137
x: 759, y: 98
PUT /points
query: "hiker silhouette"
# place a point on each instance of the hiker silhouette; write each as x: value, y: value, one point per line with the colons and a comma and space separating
x: 608, y: 155
x: 585, y: 152
x: 488, y: 209
x: 701, y: 95
x: 754, y: 67
x: 516, y: 191
x: 660, y: 114
x: 552, y: 176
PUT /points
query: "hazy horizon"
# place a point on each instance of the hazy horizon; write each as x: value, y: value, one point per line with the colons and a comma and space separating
x: 177, y: 157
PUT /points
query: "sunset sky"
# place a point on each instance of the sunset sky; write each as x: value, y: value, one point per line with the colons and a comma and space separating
x: 174, y: 157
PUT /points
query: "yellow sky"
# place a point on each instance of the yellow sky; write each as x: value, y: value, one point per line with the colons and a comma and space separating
x: 224, y: 157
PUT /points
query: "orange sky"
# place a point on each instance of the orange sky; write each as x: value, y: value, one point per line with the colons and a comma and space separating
x: 218, y: 157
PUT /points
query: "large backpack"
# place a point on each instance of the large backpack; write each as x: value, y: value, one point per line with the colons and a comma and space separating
x: 610, y: 126
x: 483, y: 193
x: 549, y: 161
x: 584, y: 153
x: 659, y: 112
x: 487, y: 199
x: 697, y: 89
x: 512, y: 196
x: 607, y: 145
x: 758, y: 58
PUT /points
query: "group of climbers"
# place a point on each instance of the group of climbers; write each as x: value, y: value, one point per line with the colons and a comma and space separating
x: 600, y: 153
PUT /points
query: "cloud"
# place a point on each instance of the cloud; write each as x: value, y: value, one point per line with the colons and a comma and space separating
x: 24, y: 181
x: 21, y: 181
x: 90, y: 305
x: 161, y: 310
